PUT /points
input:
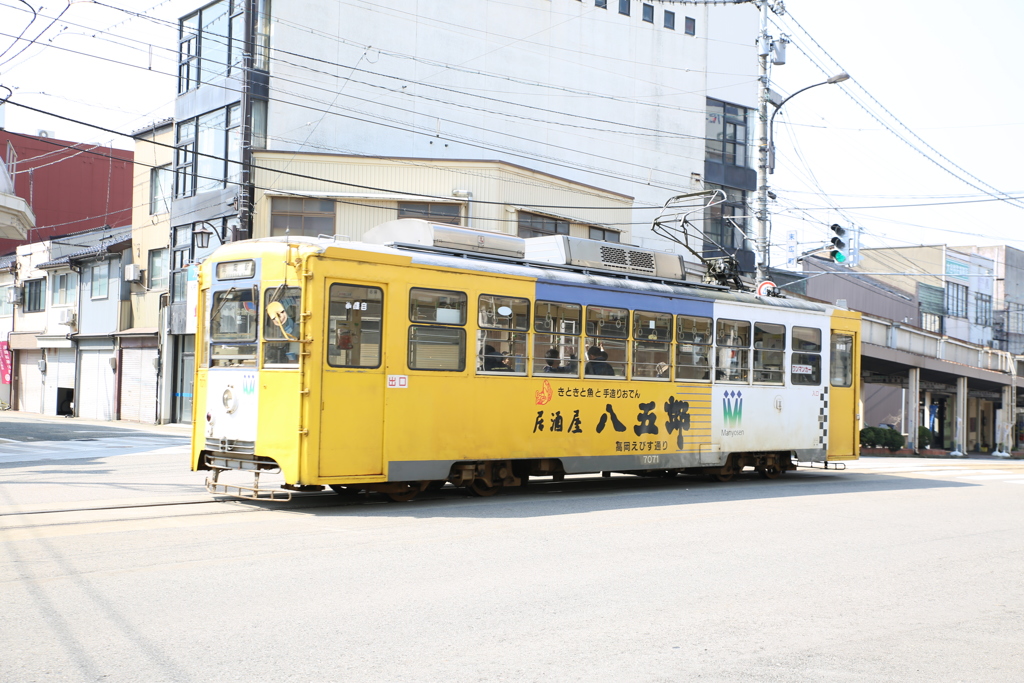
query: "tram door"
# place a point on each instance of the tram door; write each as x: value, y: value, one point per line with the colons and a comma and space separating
x: 843, y: 399
x: 352, y: 399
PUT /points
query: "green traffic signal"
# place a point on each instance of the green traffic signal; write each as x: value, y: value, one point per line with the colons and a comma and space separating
x: 839, y: 247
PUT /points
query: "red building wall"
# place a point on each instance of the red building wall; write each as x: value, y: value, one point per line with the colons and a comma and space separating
x: 69, y: 190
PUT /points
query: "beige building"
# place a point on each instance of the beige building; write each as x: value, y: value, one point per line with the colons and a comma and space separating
x: 314, y: 194
x: 139, y: 346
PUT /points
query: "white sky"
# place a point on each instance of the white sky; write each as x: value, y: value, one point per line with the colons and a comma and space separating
x: 946, y: 71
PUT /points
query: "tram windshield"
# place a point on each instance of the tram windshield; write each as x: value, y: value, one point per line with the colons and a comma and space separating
x: 233, y: 327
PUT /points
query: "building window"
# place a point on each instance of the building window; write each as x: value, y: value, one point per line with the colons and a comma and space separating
x: 210, y: 41
x: 931, y: 322
x: 259, y: 124
x: 185, y: 159
x: 160, y: 190
x: 6, y: 307
x: 100, y: 274
x: 181, y: 257
x: 261, y: 59
x: 670, y: 20
x: 35, y: 295
x: 603, y: 4
x: 157, y: 272
x: 725, y: 222
x: 624, y: 7
x: 208, y: 152
x: 212, y: 151
x: 535, y: 225
x: 435, y: 213
x: 983, y: 310
x: 691, y: 26
x: 725, y: 133
x: 604, y: 234
x: 65, y: 289
x: 956, y: 300
x: 648, y: 14
x: 297, y: 216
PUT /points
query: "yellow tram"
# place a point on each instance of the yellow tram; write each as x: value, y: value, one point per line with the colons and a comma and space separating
x: 429, y: 354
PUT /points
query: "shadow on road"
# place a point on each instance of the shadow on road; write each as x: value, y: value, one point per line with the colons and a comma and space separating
x: 596, y: 494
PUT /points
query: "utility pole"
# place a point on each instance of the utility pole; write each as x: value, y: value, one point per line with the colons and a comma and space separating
x: 764, y: 48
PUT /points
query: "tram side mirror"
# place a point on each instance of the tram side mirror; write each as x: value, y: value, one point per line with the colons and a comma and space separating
x: 277, y: 313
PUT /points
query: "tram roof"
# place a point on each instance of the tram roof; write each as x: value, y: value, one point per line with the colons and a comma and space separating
x: 558, y: 274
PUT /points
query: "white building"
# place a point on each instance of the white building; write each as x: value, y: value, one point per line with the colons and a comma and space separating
x: 599, y: 100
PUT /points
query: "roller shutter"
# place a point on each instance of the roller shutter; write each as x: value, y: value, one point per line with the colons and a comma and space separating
x: 30, y: 382
x: 138, y: 385
x: 96, y: 385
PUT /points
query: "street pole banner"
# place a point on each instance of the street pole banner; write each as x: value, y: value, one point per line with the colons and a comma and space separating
x: 5, y: 364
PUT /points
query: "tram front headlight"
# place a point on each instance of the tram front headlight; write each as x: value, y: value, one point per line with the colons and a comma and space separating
x: 230, y: 402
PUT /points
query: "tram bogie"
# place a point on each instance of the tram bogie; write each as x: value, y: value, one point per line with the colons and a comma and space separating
x: 363, y: 367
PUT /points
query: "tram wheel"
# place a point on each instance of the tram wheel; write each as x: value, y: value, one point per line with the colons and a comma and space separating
x: 723, y: 476
x: 479, y: 488
x: 403, y: 496
x: 770, y: 472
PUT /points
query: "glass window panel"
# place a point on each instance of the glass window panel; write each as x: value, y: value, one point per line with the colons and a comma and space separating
x: 158, y: 269
x: 606, y: 357
x: 692, y: 329
x: 652, y: 326
x: 732, y: 364
x: 652, y: 360
x: 607, y: 322
x: 805, y: 369
x: 233, y: 317
x: 354, y: 326
x: 501, y: 351
x: 281, y: 325
x: 100, y: 274
x: 212, y: 151
x: 841, y: 366
x: 431, y: 211
x: 504, y: 312
x: 693, y: 361
x: 556, y: 353
x: 769, y: 336
x: 733, y: 333
x: 437, y: 348
x: 806, y: 339
x: 214, y: 24
x: 437, y: 306
x: 558, y: 318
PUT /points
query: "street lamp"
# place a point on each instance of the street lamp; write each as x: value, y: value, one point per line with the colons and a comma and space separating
x: 766, y: 145
x: 838, y: 78
x: 201, y: 236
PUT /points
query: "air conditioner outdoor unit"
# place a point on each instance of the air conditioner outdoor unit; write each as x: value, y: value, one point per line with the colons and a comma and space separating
x: 68, y: 317
x: 16, y: 295
x: 132, y: 273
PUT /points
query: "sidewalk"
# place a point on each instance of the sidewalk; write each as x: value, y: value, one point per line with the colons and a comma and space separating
x: 20, y: 416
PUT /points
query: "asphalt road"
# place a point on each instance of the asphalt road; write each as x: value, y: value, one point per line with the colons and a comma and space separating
x: 121, y: 568
x: 19, y: 427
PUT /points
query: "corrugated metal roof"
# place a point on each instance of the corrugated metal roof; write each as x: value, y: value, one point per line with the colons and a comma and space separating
x: 116, y: 238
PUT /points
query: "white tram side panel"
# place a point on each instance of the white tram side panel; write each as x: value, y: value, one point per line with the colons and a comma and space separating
x: 750, y: 416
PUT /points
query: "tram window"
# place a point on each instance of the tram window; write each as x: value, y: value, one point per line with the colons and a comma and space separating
x: 233, y: 327
x: 610, y: 323
x: 502, y: 348
x: 841, y: 366
x: 652, y: 345
x: 693, y: 348
x: 437, y: 348
x: 437, y: 306
x: 605, y: 358
x: 281, y: 325
x: 559, y: 351
x: 805, y: 369
x: 806, y: 339
x: 769, y: 353
x: 805, y: 366
x: 733, y: 352
x: 504, y: 312
x: 354, y: 326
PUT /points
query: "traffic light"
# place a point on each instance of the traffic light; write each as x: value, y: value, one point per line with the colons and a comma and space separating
x: 840, y: 248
